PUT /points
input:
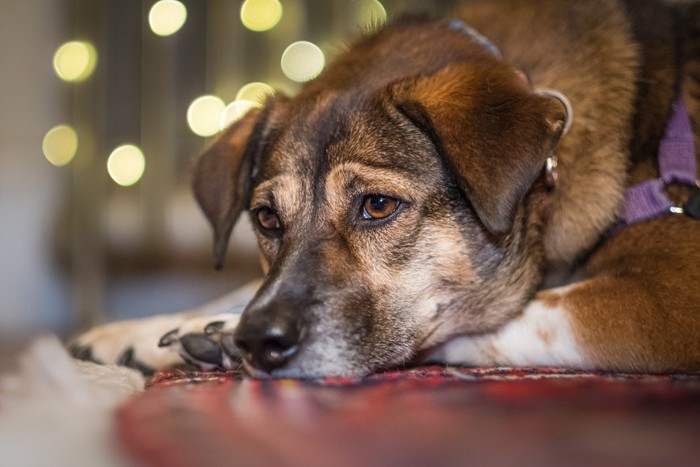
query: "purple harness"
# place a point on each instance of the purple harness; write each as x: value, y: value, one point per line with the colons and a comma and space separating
x: 677, y: 165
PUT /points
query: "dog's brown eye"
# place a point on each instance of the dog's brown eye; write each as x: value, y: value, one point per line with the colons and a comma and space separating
x: 377, y: 207
x: 268, y: 219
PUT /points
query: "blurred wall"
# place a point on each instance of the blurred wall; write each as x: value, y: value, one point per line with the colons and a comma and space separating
x: 32, y: 295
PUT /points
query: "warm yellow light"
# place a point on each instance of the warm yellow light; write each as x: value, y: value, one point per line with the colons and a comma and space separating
x: 255, y: 92
x: 204, y: 115
x: 235, y: 111
x: 126, y: 165
x: 167, y: 17
x: 371, y: 14
x: 302, y: 61
x: 60, y: 145
x: 75, y: 61
x: 261, y: 15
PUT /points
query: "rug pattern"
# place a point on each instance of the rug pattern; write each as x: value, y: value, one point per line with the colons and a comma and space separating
x: 430, y: 416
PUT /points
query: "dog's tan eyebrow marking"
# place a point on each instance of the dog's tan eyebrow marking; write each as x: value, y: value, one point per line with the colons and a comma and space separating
x: 283, y: 192
x: 373, y: 179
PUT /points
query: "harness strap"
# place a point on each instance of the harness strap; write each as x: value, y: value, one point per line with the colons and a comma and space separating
x: 677, y: 165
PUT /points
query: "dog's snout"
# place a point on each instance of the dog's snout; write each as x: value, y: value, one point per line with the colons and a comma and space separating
x: 269, y: 338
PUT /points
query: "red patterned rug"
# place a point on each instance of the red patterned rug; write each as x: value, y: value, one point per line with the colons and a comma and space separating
x: 424, y: 417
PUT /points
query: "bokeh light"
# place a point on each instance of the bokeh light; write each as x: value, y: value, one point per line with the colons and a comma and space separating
x: 235, y: 111
x: 302, y: 61
x: 60, y: 145
x: 126, y: 165
x: 75, y: 61
x: 204, y: 115
x: 261, y: 15
x: 371, y: 14
x: 255, y: 92
x: 166, y: 17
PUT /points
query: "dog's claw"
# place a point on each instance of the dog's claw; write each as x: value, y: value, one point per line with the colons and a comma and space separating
x: 168, y: 339
x: 201, y: 348
x: 213, y: 328
x: 127, y: 359
x: 81, y: 353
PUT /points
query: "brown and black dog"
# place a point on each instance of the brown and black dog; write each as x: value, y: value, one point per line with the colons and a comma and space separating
x: 407, y: 202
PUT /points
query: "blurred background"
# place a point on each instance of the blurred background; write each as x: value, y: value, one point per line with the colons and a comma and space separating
x: 104, y: 104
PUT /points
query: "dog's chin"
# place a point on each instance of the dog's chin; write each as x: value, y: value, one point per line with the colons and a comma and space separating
x: 318, y: 369
x: 309, y: 370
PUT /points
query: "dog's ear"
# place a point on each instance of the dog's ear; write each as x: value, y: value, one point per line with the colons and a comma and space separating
x: 490, y: 129
x: 223, y: 175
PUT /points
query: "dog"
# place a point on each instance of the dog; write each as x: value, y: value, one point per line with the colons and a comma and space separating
x: 463, y: 191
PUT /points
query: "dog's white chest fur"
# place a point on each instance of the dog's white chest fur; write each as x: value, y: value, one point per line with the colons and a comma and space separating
x: 541, y: 336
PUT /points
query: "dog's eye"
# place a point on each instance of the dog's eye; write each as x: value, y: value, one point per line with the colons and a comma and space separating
x: 268, y: 219
x: 375, y: 207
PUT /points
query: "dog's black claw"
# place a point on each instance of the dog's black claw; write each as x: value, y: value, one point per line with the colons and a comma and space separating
x: 128, y: 360
x: 201, y: 348
x: 229, y: 345
x: 126, y: 357
x: 81, y: 353
x: 214, y: 327
x: 168, y: 339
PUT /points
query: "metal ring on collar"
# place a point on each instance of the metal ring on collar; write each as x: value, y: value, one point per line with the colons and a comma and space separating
x: 565, y: 102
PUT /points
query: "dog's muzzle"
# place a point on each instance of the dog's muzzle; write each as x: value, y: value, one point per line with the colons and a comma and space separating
x: 269, y: 337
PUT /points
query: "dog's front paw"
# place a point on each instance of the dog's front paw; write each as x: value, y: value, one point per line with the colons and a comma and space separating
x: 205, y: 341
x: 162, y: 342
x: 132, y: 343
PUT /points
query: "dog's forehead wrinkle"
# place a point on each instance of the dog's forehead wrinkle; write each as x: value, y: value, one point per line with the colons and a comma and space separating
x: 345, y: 179
x: 285, y: 192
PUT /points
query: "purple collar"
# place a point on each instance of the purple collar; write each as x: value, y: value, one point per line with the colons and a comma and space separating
x: 677, y: 165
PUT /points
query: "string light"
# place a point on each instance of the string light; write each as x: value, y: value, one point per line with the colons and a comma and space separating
x: 60, y: 145
x: 255, y: 92
x: 126, y: 165
x: 371, y: 14
x: 75, y: 61
x: 166, y: 17
x: 250, y: 96
x: 204, y: 115
x: 302, y: 61
x: 261, y: 15
x: 235, y: 111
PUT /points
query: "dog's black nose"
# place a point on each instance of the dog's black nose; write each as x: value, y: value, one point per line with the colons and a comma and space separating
x: 269, y: 338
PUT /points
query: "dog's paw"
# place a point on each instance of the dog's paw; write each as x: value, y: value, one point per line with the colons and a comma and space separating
x: 205, y: 341
x: 163, y: 342
x: 132, y: 343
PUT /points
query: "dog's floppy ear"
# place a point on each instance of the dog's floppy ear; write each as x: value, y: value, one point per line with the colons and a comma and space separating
x: 223, y: 176
x: 490, y: 129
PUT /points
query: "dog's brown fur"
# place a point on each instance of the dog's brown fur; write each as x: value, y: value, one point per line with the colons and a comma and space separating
x: 421, y: 113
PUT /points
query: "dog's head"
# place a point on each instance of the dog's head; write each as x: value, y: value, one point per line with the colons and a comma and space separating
x: 392, y: 201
